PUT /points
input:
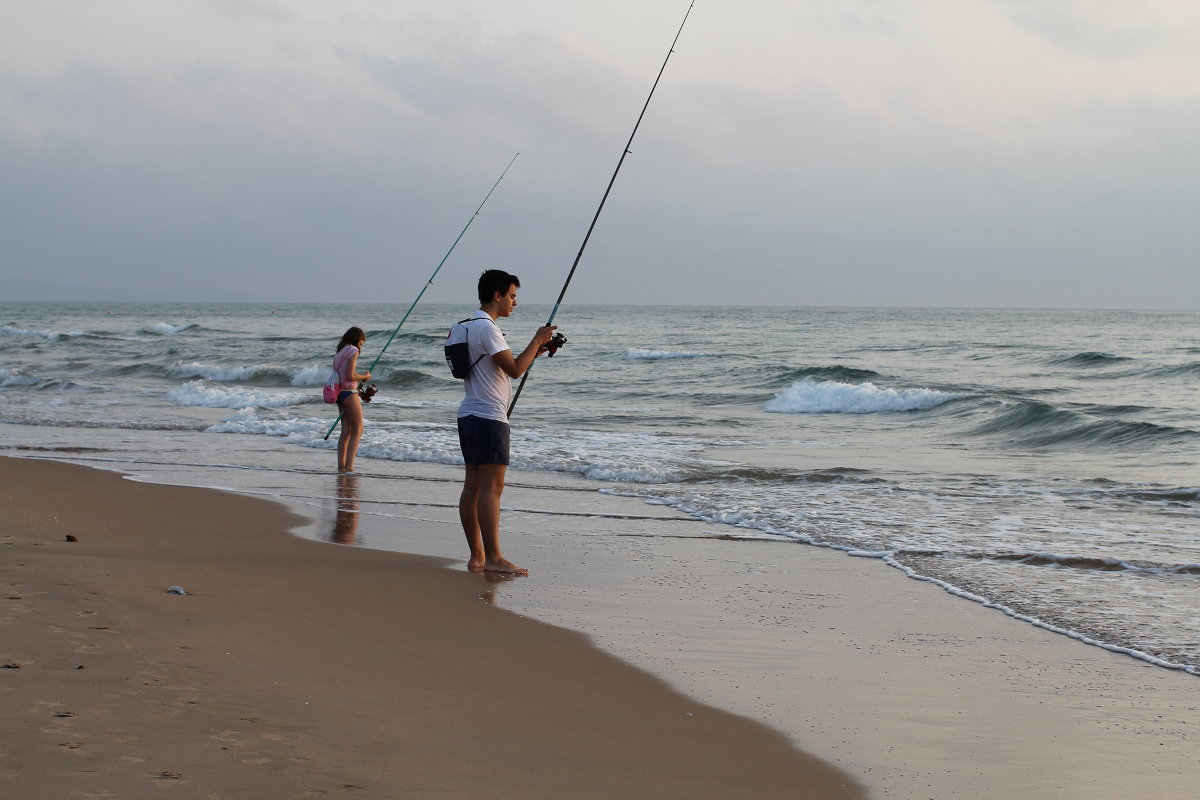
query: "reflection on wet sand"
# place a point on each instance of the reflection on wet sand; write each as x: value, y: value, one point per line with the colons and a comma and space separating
x: 345, y: 518
x: 490, y: 595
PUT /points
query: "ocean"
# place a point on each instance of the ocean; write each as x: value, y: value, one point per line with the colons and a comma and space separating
x: 1042, y: 463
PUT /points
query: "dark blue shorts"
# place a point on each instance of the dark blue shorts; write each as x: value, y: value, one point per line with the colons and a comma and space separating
x: 483, y: 441
x: 344, y: 394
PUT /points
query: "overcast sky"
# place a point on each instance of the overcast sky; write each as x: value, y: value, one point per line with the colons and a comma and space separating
x: 1030, y: 153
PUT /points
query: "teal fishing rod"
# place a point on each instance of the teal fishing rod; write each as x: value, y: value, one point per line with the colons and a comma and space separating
x: 604, y: 199
x: 428, y: 283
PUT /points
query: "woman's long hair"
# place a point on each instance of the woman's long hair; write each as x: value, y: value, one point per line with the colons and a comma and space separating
x: 351, y: 336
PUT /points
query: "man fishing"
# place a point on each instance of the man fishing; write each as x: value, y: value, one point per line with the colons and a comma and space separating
x: 483, y: 416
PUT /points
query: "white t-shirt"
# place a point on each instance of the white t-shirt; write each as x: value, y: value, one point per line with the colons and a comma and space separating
x: 488, y: 387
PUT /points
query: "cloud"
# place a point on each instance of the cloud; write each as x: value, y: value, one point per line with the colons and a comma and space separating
x: 295, y: 156
x: 1104, y: 29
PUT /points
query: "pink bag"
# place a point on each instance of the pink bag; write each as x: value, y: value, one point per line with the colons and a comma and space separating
x: 332, y: 389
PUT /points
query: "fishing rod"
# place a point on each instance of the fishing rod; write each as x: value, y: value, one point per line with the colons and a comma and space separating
x: 428, y: 283
x: 611, y: 181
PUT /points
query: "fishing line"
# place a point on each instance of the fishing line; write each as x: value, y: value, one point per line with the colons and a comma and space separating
x: 428, y: 283
x: 611, y: 181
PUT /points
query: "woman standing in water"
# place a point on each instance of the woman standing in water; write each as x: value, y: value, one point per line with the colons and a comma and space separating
x: 344, y: 364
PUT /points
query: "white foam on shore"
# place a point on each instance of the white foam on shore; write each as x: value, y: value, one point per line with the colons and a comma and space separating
x: 834, y: 397
x: 628, y: 457
x: 764, y: 527
x: 958, y: 592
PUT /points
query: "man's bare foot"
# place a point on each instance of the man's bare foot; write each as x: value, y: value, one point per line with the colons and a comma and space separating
x: 475, y: 565
x: 503, y: 565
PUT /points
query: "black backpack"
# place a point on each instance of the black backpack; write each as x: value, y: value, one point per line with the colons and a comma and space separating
x: 458, y: 354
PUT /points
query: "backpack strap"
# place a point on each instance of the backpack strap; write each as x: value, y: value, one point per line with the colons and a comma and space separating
x: 476, y: 361
x: 340, y: 363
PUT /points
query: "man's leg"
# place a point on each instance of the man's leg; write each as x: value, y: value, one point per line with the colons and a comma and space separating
x: 487, y: 514
x: 467, y: 504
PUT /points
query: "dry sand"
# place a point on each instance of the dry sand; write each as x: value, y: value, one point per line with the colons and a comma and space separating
x: 304, y: 669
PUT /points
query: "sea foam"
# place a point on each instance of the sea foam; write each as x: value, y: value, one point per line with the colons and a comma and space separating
x: 50, y: 335
x: 213, y: 373
x: 167, y: 327
x: 204, y: 393
x: 306, y: 376
x: 834, y: 397
x: 271, y: 423
x: 629, y: 457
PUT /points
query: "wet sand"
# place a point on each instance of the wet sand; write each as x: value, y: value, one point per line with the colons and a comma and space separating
x: 916, y: 693
x: 296, y: 668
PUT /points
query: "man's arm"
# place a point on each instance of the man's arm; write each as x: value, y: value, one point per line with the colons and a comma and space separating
x: 516, y: 367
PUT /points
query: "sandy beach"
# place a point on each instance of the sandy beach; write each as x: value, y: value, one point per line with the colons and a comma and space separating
x: 296, y: 669
x: 914, y: 692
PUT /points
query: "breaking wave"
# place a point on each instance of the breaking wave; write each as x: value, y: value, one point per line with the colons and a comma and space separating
x: 52, y: 336
x: 206, y: 393
x: 836, y: 372
x: 168, y: 328
x: 280, y: 376
x: 809, y: 396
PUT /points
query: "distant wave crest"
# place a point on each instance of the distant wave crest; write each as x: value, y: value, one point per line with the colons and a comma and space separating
x: 52, y: 336
x: 637, y: 354
x: 834, y: 397
x: 1088, y: 359
x: 836, y: 372
x: 1189, y: 370
x: 1087, y: 563
x: 168, y: 328
x: 1036, y: 424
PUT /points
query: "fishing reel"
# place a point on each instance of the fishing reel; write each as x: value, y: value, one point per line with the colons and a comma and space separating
x: 556, y: 341
x: 366, y: 393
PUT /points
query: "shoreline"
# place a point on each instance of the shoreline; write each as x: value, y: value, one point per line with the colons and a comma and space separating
x: 298, y: 669
x: 914, y: 692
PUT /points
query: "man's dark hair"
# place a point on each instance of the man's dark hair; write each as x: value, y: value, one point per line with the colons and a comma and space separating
x: 495, y: 280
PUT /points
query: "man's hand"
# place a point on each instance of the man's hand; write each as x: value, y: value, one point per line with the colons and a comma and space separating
x: 543, y: 336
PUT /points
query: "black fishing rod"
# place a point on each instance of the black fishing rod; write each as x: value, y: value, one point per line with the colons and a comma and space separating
x: 429, y: 282
x: 611, y: 181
